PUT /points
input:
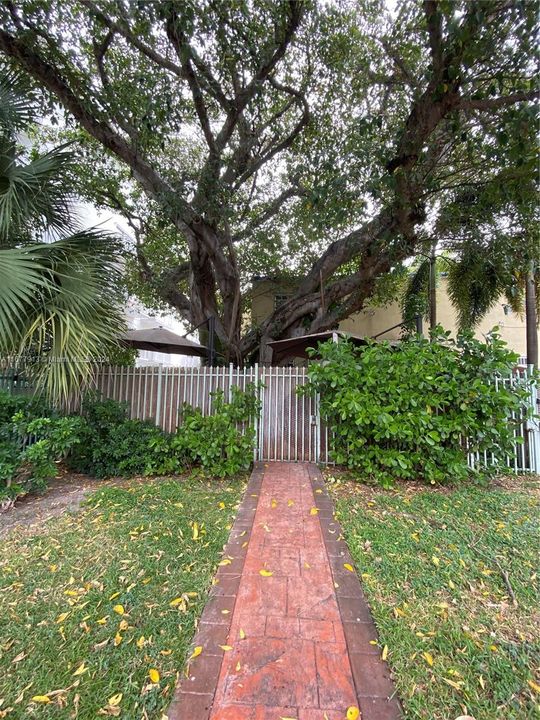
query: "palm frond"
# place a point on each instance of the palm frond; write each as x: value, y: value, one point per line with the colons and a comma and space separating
x: 474, y: 286
x: 415, y: 300
x: 17, y: 107
x: 63, y: 306
x: 34, y: 194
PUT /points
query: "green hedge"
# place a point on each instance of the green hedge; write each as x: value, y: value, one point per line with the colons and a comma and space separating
x: 403, y: 411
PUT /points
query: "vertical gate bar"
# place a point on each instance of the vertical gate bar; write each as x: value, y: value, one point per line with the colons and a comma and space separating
x: 296, y: 403
x: 145, y: 392
x: 276, y: 394
x: 256, y: 449
x: 231, y: 369
x: 109, y: 380
x: 139, y: 374
x: 282, y: 416
x: 120, y: 382
x: 171, y: 402
x: 204, y: 403
x: 310, y: 425
x: 303, y: 424
x: 158, y: 396
x: 262, y: 390
x: 291, y: 434
x: 317, y: 429
x: 177, y: 411
x: 113, y: 369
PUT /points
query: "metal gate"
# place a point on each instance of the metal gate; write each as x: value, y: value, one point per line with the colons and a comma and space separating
x: 289, y: 427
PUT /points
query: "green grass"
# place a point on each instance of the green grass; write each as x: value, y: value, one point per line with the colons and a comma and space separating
x: 129, y: 546
x: 432, y: 566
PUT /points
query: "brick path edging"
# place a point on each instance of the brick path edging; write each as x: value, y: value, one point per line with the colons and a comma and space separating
x: 194, y: 694
x: 374, y: 686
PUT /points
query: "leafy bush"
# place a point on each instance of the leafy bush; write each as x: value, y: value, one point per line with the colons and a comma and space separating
x: 402, y: 412
x: 221, y: 444
x: 31, y: 446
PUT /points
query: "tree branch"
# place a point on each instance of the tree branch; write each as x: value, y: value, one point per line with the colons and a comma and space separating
x: 491, y: 104
x: 133, y: 40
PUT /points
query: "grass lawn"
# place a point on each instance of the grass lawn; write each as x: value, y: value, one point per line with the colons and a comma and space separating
x: 437, y: 567
x: 98, y: 601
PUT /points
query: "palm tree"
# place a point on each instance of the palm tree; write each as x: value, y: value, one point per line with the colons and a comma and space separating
x: 489, y: 248
x: 59, y: 284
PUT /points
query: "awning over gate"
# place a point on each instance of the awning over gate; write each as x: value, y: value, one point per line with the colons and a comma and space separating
x: 297, y: 346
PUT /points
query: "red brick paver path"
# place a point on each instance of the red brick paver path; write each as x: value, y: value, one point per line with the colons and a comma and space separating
x: 291, y: 612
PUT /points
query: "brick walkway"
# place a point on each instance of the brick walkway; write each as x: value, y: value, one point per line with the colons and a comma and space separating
x: 286, y: 632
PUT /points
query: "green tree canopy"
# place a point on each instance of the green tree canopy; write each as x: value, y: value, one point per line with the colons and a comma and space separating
x: 261, y: 136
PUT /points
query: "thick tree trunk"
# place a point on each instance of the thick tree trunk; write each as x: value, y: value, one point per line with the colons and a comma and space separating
x: 531, y: 319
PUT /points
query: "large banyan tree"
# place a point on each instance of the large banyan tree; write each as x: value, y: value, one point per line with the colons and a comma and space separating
x: 318, y: 139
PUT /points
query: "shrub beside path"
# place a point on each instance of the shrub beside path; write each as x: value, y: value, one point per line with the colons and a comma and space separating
x: 286, y: 632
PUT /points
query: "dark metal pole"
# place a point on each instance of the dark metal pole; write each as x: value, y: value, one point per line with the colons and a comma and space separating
x: 432, y: 289
x: 211, y: 340
x: 531, y: 319
x: 419, y: 324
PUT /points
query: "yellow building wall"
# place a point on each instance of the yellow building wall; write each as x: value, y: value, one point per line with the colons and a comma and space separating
x: 374, y: 320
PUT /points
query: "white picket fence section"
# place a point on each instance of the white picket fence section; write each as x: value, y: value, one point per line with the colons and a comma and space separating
x: 289, y: 427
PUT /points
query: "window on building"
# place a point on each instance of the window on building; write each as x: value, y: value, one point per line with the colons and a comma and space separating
x: 280, y: 298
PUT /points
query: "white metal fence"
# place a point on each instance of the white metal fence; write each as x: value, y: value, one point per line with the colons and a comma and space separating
x: 289, y: 427
x: 526, y: 431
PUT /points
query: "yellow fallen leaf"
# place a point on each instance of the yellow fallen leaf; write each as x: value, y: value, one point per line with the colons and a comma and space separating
x: 428, y: 657
x: 222, y: 506
x: 353, y: 713
x: 62, y: 617
x: 314, y: 511
x: 123, y: 625
x: 226, y: 648
x: 534, y: 686
x: 225, y: 561
x: 154, y: 675
x: 117, y: 639
x: 481, y: 682
x: 102, y: 620
x: 290, y: 503
x: 384, y: 653
x: 140, y: 642
x: 80, y: 670
x: 115, y: 700
x: 273, y: 504
x: 453, y: 684
x: 196, y: 652
x: 348, y: 567
x: 41, y: 699
x: 238, y: 666
x: 195, y: 531
x: 318, y: 491
x: 241, y: 634
x: 119, y: 609
x: 176, y: 602
x: 435, y: 560
x: 114, y: 595
x: 265, y: 573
